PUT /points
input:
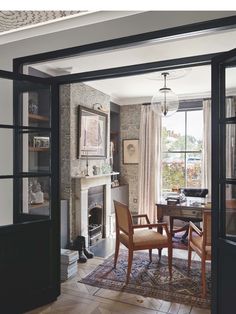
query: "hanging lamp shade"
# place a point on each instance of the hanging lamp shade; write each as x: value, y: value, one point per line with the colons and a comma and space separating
x: 165, y: 102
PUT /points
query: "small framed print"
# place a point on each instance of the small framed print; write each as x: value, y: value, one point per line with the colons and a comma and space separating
x: 130, y: 151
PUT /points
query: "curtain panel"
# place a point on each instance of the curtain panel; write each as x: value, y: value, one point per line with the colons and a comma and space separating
x: 149, y: 185
x: 206, y: 149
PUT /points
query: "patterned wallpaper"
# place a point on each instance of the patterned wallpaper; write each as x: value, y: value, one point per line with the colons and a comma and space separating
x: 129, y: 129
x: 70, y: 97
x: 10, y: 20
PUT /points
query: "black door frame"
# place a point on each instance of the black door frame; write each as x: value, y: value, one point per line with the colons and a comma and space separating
x: 219, y: 178
x: 176, y: 32
x: 13, y: 301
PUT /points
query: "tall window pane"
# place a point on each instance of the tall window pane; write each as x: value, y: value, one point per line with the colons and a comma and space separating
x: 193, y: 170
x: 194, y: 130
x: 173, y: 171
x: 182, y: 136
x: 173, y: 132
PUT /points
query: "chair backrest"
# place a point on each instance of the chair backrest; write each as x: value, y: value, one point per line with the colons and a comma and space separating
x: 123, y: 218
x: 206, y: 227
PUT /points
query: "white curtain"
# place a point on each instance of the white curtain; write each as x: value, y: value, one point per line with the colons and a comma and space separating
x: 206, y: 150
x: 149, y: 162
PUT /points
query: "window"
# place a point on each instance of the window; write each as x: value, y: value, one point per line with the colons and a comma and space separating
x: 182, y: 135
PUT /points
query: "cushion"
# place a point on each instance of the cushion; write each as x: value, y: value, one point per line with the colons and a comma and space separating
x: 145, y: 237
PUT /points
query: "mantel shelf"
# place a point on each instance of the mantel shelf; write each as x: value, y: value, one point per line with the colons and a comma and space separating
x: 96, y: 176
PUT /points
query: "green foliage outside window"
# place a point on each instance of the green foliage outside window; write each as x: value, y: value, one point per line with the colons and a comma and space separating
x: 181, y: 159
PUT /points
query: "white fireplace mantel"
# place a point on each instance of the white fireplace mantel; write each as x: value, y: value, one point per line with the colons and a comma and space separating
x: 82, y: 185
x: 96, y: 176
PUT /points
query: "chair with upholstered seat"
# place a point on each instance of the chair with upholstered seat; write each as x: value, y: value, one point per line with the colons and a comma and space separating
x: 201, y: 244
x: 139, y: 236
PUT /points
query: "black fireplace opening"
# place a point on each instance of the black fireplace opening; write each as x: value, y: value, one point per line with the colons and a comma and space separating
x: 96, y: 219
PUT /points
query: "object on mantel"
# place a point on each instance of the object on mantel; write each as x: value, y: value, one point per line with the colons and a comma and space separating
x: 101, y: 107
x: 96, y: 176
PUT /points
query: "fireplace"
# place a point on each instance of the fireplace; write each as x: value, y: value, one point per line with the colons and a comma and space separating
x: 95, y: 214
x: 82, y: 187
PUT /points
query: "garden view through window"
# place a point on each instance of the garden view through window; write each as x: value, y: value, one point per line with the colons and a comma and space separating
x: 182, y: 137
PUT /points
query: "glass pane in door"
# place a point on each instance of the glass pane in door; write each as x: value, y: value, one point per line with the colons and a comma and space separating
x: 35, y: 104
x: 230, y: 212
x: 6, y: 203
x: 36, y: 196
x: 230, y: 92
x: 6, y: 151
x: 230, y: 151
x: 6, y: 101
x: 36, y: 151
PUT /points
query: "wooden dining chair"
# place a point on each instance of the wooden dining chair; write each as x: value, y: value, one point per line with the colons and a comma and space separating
x: 139, y: 236
x: 201, y: 244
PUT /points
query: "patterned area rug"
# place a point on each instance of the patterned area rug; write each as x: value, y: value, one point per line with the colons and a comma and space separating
x: 152, y: 279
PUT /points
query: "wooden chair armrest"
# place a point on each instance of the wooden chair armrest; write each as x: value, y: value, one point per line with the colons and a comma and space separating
x: 192, y: 227
x: 142, y: 216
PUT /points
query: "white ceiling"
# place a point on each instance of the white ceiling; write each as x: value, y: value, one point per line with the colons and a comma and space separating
x: 194, y: 82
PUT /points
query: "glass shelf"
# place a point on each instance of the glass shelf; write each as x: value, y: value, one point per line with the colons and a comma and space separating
x: 36, y: 117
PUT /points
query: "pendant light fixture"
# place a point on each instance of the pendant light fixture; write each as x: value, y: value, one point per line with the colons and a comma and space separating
x: 165, y: 102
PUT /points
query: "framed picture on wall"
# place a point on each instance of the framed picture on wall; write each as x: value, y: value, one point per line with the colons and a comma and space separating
x: 92, y: 137
x: 130, y: 151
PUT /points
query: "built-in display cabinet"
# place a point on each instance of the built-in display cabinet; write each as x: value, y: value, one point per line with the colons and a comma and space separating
x: 36, y: 153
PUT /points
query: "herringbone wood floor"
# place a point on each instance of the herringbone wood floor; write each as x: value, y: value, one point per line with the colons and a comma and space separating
x: 78, y: 298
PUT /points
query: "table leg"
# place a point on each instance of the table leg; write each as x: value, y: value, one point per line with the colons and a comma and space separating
x: 159, y: 219
x: 171, y: 226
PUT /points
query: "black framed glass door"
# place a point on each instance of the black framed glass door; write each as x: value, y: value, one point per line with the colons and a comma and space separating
x: 29, y: 191
x: 224, y: 182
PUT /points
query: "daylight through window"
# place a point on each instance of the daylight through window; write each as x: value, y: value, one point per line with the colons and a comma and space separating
x: 182, y: 137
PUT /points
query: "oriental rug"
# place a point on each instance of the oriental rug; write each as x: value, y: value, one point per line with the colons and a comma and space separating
x: 152, y: 279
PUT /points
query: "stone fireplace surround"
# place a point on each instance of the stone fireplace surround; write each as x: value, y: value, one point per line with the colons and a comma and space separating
x: 82, y: 185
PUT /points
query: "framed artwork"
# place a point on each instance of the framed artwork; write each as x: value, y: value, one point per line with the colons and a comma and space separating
x: 92, y: 128
x: 130, y: 151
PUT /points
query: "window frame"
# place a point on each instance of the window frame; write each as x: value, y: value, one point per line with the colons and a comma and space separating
x: 185, y: 106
